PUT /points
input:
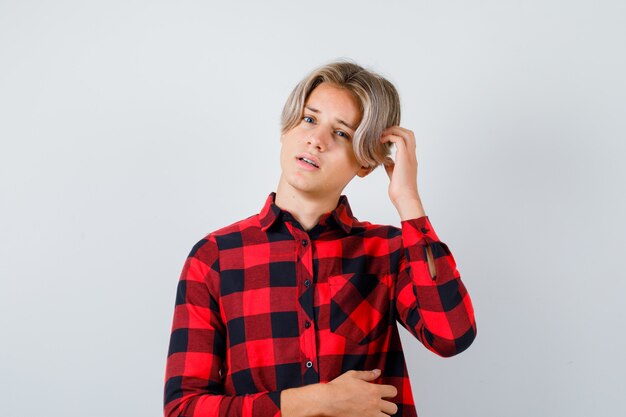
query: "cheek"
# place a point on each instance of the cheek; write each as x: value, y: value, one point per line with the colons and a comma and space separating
x: 350, y: 157
x: 348, y: 167
x: 287, y: 150
x: 283, y: 154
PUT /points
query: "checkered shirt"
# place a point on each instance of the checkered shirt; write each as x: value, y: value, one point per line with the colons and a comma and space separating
x: 263, y: 305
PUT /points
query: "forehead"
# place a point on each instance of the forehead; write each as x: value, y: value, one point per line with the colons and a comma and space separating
x: 336, y: 102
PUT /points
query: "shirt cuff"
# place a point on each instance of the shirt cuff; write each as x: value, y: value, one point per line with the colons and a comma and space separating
x: 418, y: 231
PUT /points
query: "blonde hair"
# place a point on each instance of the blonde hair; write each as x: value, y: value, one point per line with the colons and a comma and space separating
x: 377, y: 97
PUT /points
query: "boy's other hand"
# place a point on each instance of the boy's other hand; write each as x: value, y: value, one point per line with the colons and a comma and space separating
x: 403, y: 173
x: 352, y: 394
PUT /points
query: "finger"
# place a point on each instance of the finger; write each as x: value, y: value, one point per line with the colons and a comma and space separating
x: 399, y: 130
x: 388, y: 407
x: 403, y: 151
x: 366, y: 375
x: 409, y: 143
x: 406, y: 138
x: 397, y: 140
x: 407, y: 134
x: 388, y: 391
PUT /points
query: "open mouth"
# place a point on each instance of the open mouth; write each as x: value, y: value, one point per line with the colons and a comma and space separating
x: 308, y: 161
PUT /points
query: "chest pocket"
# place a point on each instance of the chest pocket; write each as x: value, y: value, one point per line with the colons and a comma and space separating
x: 359, y: 306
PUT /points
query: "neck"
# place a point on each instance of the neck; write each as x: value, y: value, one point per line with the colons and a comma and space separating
x: 306, y: 208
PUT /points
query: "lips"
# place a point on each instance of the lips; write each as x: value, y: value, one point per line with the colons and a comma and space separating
x: 301, y: 157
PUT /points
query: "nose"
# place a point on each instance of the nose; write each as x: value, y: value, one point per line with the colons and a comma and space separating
x: 318, y: 138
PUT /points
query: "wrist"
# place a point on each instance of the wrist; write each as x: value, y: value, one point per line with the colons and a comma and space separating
x: 305, y: 401
x: 319, y: 397
x: 409, y: 208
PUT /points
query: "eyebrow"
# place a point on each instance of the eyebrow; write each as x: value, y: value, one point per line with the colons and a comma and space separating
x: 339, y: 120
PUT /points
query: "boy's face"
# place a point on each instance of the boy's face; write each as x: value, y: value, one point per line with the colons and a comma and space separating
x: 324, y: 135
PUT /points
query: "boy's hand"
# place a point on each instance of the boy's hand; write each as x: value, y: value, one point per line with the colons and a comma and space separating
x: 403, y: 172
x: 351, y: 394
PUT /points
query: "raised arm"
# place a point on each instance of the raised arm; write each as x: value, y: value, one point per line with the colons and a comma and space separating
x: 431, y: 300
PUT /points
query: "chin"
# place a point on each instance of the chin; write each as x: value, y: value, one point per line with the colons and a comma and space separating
x: 303, y: 186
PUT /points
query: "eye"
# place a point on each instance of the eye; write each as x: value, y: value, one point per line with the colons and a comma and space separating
x: 343, y: 134
x: 308, y: 119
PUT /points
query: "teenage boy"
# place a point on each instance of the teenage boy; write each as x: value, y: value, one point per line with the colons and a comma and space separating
x: 292, y: 312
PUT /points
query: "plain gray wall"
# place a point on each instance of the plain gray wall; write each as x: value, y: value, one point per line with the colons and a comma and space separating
x: 130, y: 129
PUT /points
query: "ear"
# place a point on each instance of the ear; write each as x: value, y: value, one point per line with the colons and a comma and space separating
x: 364, y: 171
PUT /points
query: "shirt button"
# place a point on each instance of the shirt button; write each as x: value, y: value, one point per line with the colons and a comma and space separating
x: 305, y: 242
x: 307, y: 283
x: 309, y: 364
x: 425, y: 230
x: 307, y: 324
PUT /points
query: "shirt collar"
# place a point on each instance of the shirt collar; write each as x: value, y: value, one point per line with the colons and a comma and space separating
x: 342, y: 214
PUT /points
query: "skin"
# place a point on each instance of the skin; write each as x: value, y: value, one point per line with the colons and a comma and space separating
x: 307, y: 195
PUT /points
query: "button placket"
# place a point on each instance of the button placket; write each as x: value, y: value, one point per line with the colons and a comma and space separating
x: 305, y: 272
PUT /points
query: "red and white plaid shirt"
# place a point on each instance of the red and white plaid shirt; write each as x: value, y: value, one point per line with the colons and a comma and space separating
x: 263, y: 305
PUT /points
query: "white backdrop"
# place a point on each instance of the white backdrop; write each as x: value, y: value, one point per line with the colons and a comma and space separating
x: 130, y: 129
